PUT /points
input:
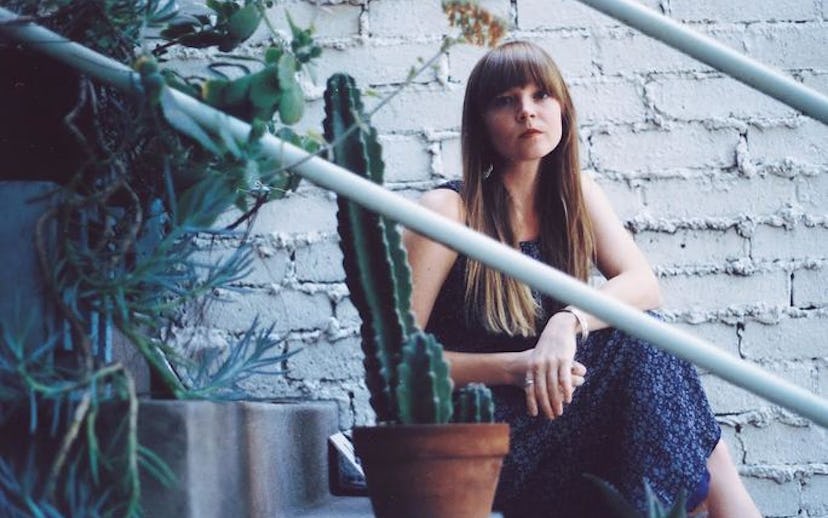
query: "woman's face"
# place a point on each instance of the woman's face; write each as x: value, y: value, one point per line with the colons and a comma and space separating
x: 523, y: 123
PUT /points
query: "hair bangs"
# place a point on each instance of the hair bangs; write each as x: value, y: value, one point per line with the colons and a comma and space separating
x: 512, y: 65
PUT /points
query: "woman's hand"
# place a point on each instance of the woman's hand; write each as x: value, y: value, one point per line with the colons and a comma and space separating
x: 551, y: 372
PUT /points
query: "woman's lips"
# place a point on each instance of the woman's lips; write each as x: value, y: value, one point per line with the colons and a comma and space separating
x: 530, y: 133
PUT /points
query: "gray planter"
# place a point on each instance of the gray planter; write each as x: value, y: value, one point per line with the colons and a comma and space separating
x: 240, y: 459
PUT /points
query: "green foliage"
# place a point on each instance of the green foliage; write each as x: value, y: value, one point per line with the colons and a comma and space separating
x: 424, y: 389
x: 473, y: 404
x: 229, y: 25
x: 213, y: 376
x: 52, y: 407
x: 261, y: 94
x: 123, y: 246
x: 621, y: 508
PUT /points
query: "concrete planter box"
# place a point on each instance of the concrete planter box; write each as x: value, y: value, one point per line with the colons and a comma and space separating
x: 249, y: 459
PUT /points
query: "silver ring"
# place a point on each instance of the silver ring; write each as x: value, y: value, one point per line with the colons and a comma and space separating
x: 528, y: 381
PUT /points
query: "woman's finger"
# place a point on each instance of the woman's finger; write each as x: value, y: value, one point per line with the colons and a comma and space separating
x: 542, y: 394
x: 578, y: 368
x: 577, y: 381
x: 554, y: 393
x: 565, y: 376
x: 529, y: 390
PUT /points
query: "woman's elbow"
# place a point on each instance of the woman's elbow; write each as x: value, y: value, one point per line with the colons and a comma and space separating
x: 654, y: 299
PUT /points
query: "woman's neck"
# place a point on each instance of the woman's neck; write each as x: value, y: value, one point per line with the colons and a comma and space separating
x: 520, y: 180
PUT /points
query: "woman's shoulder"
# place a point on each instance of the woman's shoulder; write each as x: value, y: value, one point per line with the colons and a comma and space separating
x: 445, y: 200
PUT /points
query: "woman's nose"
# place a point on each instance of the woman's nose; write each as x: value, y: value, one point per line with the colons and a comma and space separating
x: 525, y: 110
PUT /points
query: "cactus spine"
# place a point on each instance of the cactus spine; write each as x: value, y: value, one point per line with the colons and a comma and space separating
x: 404, y: 368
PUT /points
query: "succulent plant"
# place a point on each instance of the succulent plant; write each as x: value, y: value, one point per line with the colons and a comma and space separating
x: 621, y: 508
x: 404, y: 368
x: 473, y: 404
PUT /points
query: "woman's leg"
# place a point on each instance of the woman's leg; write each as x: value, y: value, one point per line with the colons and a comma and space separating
x: 728, y: 497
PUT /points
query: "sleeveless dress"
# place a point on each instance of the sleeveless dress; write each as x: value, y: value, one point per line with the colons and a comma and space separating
x: 641, y: 416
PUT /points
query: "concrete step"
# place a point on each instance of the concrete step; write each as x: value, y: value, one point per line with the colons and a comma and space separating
x: 245, y: 459
x: 338, y: 507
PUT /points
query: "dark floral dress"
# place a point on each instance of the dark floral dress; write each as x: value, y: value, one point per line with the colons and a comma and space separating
x: 641, y: 415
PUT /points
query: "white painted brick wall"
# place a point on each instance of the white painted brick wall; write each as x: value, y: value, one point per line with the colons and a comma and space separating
x: 626, y: 199
x: 742, y: 11
x: 720, y: 196
x: 813, y: 495
x: 319, y: 262
x: 657, y: 150
x: 688, y: 247
x: 714, y: 177
x: 608, y: 102
x: 719, y: 291
x: 789, y: 46
x: 789, y: 339
x: 800, y: 242
x: 722, y: 335
x: 563, y: 14
x: 688, y: 98
x: 380, y: 64
x: 810, y: 288
x: 627, y: 53
x: 804, y: 144
x: 812, y: 192
x: 774, y: 498
x: 780, y: 443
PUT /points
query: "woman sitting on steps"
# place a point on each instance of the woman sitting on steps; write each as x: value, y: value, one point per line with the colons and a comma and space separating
x: 580, y: 397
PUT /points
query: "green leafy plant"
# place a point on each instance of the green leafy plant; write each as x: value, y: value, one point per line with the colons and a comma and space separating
x: 119, y: 250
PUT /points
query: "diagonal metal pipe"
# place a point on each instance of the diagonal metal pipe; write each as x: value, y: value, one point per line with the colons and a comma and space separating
x: 719, y: 56
x: 466, y: 241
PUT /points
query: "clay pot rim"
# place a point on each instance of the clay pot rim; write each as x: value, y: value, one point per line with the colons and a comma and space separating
x: 432, y: 440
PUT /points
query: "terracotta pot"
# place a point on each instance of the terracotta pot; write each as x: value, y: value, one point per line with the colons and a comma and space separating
x: 432, y: 471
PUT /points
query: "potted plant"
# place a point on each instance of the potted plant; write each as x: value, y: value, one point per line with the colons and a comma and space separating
x: 428, y: 455
x: 121, y: 248
x: 118, y: 255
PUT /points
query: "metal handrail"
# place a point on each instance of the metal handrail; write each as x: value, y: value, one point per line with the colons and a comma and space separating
x: 459, y: 237
x: 709, y: 51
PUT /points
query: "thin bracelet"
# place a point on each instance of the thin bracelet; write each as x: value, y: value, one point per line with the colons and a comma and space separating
x: 583, y: 327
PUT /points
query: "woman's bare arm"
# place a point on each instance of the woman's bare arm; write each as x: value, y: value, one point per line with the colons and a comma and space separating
x: 630, y: 277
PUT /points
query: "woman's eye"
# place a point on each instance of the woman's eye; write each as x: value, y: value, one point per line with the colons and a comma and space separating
x: 541, y: 94
x: 501, y: 101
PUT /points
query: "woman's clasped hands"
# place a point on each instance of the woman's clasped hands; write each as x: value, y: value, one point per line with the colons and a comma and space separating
x: 551, y: 372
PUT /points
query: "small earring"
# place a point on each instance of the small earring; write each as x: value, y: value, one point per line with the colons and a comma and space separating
x: 488, y: 171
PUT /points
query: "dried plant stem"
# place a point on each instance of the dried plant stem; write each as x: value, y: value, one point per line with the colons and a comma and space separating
x: 132, y: 447
x: 68, y: 439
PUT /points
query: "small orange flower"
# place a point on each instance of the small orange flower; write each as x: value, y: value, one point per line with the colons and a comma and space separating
x: 477, y: 25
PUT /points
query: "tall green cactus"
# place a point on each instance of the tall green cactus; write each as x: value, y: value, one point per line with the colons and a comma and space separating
x: 404, y: 368
x: 424, y: 390
x: 376, y: 267
x: 473, y: 404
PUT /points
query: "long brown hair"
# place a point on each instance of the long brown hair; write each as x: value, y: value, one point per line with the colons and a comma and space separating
x: 499, y: 302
